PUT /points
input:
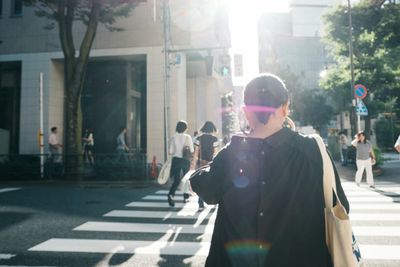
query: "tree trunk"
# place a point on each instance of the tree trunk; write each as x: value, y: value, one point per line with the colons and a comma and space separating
x: 73, y: 147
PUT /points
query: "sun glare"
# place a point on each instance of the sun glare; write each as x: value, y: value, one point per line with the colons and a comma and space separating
x: 244, y: 16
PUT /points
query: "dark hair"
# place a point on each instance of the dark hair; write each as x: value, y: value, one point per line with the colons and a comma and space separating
x: 365, y: 137
x: 265, y: 93
x: 181, y: 126
x: 53, y: 129
x: 208, y: 127
x: 122, y: 128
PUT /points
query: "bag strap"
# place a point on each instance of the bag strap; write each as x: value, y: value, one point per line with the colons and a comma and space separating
x: 329, y: 182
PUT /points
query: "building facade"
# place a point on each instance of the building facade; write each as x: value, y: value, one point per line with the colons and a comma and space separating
x: 124, y: 84
x: 293, y: 41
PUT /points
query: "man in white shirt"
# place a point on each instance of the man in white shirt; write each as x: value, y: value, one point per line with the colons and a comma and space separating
x: 54, y: 145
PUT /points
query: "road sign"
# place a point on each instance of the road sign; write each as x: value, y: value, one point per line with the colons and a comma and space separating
x: 360, y: 91
x: 361, y: 109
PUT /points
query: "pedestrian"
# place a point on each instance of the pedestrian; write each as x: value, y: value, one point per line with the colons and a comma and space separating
x: 268, y: 184
x: 54, y: 145
x: 181, y: 149
x: 344, y: 147
x: 122, y: 148
x: 88, y: 145
x: 365, y: 158
x: 397, y: 144
x: 206, y: 145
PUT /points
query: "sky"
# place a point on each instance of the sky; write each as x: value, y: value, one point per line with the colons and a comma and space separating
x: 243, y: 25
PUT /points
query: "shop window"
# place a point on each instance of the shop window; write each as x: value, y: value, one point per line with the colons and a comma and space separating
x: 16, y: 8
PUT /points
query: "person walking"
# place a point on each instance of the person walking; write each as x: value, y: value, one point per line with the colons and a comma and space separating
x: 181, y: 149
x: 206, y: 145
x: 268, y: 184
x: 54, y: 145
x: 365, y: 158
x: 344, y: 147
x: 88, y: 145
x: 122, y: 148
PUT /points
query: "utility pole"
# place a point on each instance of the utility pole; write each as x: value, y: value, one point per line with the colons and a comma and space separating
x: 353, y: 100
x: 166, y: 29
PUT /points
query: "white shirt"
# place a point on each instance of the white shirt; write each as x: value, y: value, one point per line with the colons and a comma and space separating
x: 53, y: 139
x: 178, y: 142
x: 397, y: 142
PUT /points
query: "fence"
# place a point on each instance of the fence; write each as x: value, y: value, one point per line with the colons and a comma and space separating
x: 127, y: 166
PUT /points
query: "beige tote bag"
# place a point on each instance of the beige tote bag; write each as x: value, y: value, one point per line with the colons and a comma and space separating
x: 340, y: 240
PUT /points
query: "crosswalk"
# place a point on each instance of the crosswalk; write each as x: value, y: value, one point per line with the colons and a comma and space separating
x: 159, y: 230
x: 375, y: 216
x: 193, y: 223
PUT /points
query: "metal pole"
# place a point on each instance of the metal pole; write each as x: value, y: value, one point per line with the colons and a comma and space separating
x: 351, y: 68
x: 166, y: 75
x: 41, y: 143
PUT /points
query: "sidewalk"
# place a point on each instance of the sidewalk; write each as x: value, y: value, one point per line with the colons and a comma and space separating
x: 390, y: 170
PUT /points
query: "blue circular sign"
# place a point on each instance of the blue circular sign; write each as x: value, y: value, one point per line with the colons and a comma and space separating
x: 360, y: 91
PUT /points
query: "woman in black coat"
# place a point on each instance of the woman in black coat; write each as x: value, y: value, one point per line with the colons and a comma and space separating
x: 268, y: 187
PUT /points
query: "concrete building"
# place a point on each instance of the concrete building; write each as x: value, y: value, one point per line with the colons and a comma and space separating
x: 124, y: 82
x: 293, y: 40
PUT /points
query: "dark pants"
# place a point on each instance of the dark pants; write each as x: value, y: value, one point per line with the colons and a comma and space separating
x: 178, y: 165
x: 345, y: 156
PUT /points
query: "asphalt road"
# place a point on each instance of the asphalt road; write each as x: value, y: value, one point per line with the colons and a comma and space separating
x: 70, y: 225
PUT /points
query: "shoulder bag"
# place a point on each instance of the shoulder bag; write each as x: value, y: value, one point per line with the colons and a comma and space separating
x: 340, y: 240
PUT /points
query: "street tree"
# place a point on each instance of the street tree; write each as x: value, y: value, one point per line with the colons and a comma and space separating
x: 87, y: 14
x: 376, y: 39
x: 310, y: 107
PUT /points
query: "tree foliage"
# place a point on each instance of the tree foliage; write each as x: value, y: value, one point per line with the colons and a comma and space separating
x: 376, y: 42
x: 310, y: 107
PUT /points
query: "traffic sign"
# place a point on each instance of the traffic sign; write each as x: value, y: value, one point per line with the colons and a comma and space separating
x: 360, y: 91
x: 361, y: 109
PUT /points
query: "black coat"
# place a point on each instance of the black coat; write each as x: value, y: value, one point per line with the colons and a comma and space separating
x: 271, y: 203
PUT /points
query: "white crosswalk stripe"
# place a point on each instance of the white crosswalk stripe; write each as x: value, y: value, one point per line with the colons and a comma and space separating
x: 9, y: 189
x: 188, y: 221
x: 369, y: 207
x: 375, y: 215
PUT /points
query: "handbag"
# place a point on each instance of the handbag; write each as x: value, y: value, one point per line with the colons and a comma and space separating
x: 165, y: 171
x: 186, y: 153
x: 340, y: 240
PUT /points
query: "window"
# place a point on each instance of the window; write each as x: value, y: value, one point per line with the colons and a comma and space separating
x: 16, y: 8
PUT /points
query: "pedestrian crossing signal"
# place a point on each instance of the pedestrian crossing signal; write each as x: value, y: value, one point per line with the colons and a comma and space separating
x: 361, y: 109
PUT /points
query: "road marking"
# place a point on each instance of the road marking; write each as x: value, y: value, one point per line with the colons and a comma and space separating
x: 373, y: 199
x: 374, y: 217
x: 377, y: 188
x: 155, y: 197
x: 386, y: 231
x: 124, y: 247
x: 3, y: 190
x: 183, y: 214
x: 372, y: 194
x: 380, y: 252
x: 144, y: 227
x: 382, y: 206
x: 165, y: 192
x: 146, y: 204
x: 6, y: 256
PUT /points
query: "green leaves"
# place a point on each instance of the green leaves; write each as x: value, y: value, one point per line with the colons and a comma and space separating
x: 376, y: 43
